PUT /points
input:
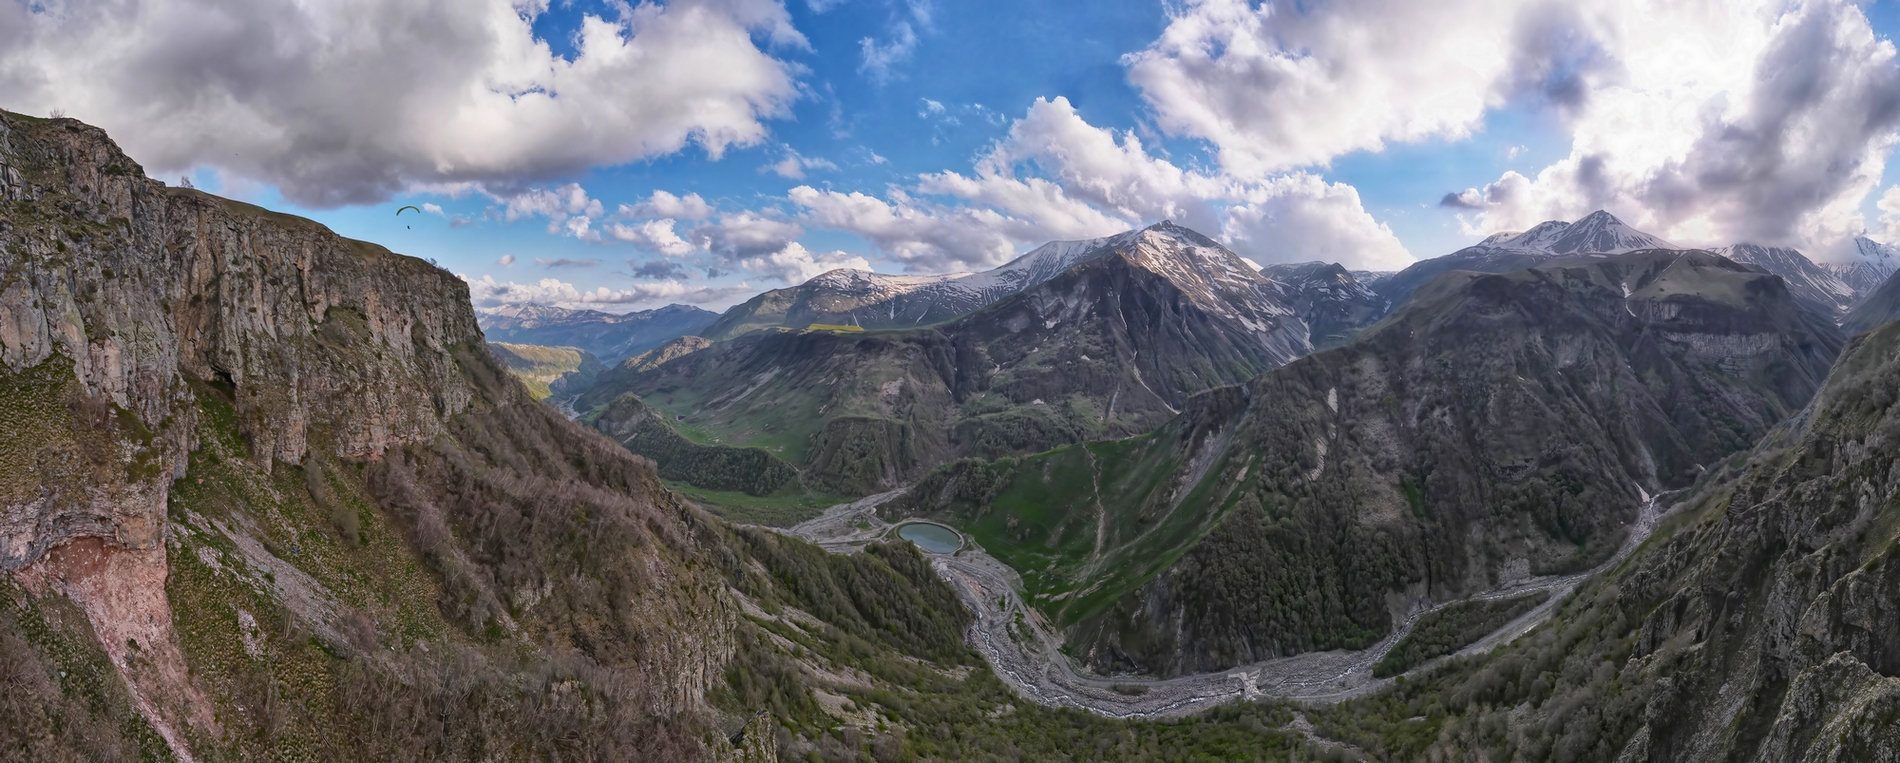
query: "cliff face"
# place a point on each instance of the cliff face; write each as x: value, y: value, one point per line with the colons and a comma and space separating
x: 303, y: 440
x: 1110, y: 347
x: 138, y: 286
x: 1495, y: 427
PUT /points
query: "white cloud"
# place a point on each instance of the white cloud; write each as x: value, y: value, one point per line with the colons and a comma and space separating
x: 922, y: 235
x: 557, y: 204
x: 1302, y: 217
x: 879, y: 57
x: 488, y: 292
x: 745, y: 234
x: 652, y: 235
x: 1767, y: 125
x: 1279, y: 87
x: 1889, y: 206
x: 796, y: 264
x: 1094, y: 183
x: 353, y: 101
x: 793, y: 166
x: 663, y: 204
x: 1704, y: 121
x: 506, y: 261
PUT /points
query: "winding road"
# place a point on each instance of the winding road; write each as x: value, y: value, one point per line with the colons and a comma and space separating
x: 1024, y: 651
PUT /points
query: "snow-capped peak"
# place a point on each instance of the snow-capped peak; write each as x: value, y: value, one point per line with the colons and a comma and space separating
x: 1539, y: 237
x: 1881, y: 256
x: 1597, y: 233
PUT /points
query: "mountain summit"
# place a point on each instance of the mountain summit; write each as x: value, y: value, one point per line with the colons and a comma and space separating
x: 1597, y: 233
x: 1110, y: 346
x: 879, y: 301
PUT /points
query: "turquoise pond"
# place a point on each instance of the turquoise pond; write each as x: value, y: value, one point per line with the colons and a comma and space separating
x: 936, y: 539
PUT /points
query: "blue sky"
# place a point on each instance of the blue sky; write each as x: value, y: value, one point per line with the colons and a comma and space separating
x: 927, y: 136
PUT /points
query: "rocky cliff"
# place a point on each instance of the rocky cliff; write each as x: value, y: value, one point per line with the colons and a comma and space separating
x: 1495, y: 427
x: 286, y: 432
x: 1111, y: 346
x: 1758, y: 624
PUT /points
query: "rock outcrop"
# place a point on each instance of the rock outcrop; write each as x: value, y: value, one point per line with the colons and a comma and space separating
x: 137, y: 320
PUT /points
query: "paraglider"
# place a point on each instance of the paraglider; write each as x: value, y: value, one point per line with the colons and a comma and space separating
x: 406, y: 208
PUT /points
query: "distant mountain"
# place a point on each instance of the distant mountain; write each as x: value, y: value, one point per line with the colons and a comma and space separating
x: 1597, y: 233
x: 1333, y: 302
x: 1756, y: 625
x: 1815, y: 286
x: 1492, y: 428
x: 547, y: 370
x: 608, y: 336
x: 879, y: 301
x: 1109, y: 347
x: 1871, y: 264
x: 1876, y: 309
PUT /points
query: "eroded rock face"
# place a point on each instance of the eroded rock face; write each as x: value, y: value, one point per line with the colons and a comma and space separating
x: 140, y: 288
x: 127, y: 309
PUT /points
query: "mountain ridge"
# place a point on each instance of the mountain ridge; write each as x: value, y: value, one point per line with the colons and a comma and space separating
x: 1115, y: 343
x: 608, y: 336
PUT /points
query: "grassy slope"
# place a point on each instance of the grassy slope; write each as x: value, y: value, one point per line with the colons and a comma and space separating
x: 538, y: 366
x: 1047, y: 511
x: 862, y: 657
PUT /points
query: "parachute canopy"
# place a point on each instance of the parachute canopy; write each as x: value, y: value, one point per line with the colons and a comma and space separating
x: 409, y: 207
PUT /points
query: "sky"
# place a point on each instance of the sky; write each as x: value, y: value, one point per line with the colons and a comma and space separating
x: 620, y: 156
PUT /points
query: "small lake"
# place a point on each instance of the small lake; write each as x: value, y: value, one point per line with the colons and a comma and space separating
x: 936, y: 539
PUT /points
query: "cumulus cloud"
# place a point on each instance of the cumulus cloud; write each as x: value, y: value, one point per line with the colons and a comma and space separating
x: 1054, y: 176
x: 1279, y: 86
x: 880, y: 56
x: 488, y: 292
x: 506, y: 261
x: 1302, y: 217
x: 795, y: 264
x: 1772, y: 125
x: 794, y: 165
x: 922, y: 235
x: 352, y: 102
x: 652, y: 235
x: 745, y: 234
x: 1709, y: 122
x: 665, y: 205
x: 557, y: 204
x: 1889, y: 206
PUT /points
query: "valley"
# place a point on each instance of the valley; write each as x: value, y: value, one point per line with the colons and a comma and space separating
x: 1576, y: 493
x: 1018, y: 644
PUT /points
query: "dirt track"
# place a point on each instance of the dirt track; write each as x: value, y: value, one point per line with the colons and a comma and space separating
x: 1026, y: 656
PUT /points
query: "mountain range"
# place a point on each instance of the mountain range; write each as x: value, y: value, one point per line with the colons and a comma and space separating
x: 1109, y: 347
x: 607, y: 336
x: 1494, y: 427
x: 269, y: 493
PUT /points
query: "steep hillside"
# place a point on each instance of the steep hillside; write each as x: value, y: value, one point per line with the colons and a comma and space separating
x: 608, y: 336
x: 1871, y: 264
x: 1759, y: 627
x: 1498, y: 426
x: 1819, y: 288
x: 1878, y: 308
x: 879, y: 301
x: 1110, y: 347
x: 547, y: 370
x: 267, y: 494
x: 1334, y: 303
x: 1597, y: 233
